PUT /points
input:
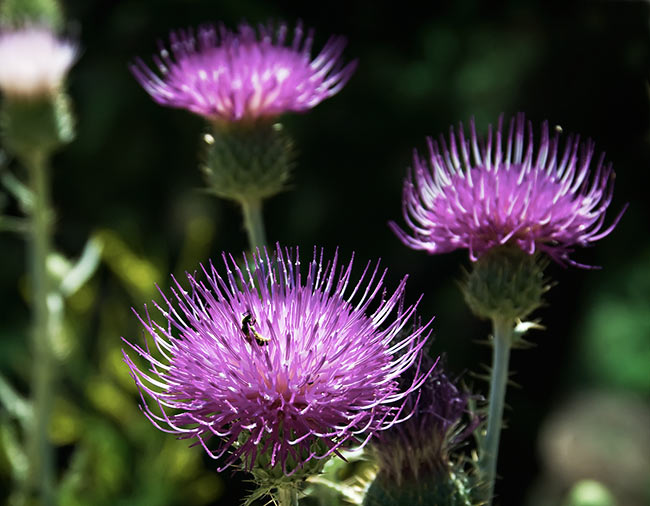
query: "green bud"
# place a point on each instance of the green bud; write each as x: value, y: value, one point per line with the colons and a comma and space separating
x: 450, y: 488
x: 505, y: 283
x: 247, y: 161
x: 18, y: 13
x: 36, y: 126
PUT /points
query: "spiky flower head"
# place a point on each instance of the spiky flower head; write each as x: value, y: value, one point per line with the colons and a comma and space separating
x: 415, y: 463
x: 479, y: 194
x: 244, y: 75
x: 33, y: 62
x: 420, y: 446
x: 281, y: 366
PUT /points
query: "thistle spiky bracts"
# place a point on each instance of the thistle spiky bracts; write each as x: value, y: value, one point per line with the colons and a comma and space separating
x: 505, y: 283
x: 268, y: 478
x: 247, y: 161
x: 448, y: 488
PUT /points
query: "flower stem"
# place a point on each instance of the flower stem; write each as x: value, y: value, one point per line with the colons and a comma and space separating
x: 40, y: 451
x: 287, y: 497
x: 253, y: 222
x: 502, y: 329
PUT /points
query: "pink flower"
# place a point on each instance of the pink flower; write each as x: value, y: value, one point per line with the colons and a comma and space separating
x: 241, y: 75
x: 480, y: 194
x: 277, y: 360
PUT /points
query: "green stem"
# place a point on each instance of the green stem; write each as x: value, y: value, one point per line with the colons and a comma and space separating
x: 11, y: 224
x: 253, y: 222
x: 502, y: 329
x: 40, y: 451
x: 287, y: 497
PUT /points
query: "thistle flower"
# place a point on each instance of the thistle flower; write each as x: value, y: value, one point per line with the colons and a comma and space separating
x: 234, y: 76
x: 479, y: 195
x: 278, y: 365
x: 421, y: 445
x: 415, y: 465
x: 33, y: 62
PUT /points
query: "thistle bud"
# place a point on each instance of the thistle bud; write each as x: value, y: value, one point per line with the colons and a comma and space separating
x: 505, y: 283
x: 31, y: 126
x: 416, y: 467
x: 35, y: 116
x: 453, y: 488
x: 247, y: 161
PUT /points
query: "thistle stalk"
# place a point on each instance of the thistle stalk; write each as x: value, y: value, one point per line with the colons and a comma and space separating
x: 35, y: 121
x: 253, y: 222
x: 287, y: 497
x: 40, y: 451
x: 502, y: 341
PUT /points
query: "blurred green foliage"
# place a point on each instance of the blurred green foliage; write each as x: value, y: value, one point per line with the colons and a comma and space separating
x: 614, y: 346
x: 112, y: 454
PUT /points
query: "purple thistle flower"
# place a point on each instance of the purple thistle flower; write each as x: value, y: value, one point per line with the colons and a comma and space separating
x: 233, y: 76
x: 275, y: 362
x: 478, y: 195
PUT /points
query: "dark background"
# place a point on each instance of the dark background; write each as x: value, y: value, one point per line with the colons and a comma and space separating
x: 131, y: 175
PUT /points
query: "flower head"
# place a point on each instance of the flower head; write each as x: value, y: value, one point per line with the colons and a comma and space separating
x: 246, y: 74
x: 421, y: 445
x: 33, y: 62
x: 480, y: 194
x: 276, y: 362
